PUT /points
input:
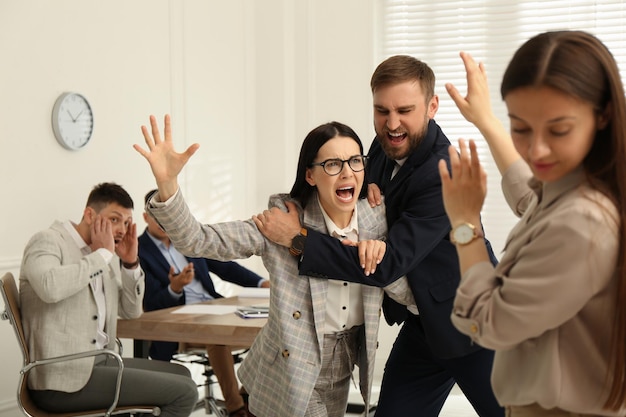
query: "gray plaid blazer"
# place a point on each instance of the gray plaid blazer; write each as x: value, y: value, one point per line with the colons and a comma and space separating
x: 283, y: 364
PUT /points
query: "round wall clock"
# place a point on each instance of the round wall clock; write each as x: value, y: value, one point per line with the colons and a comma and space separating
x: 72, y: 121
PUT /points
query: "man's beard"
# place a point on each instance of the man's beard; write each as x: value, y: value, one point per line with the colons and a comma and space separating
x: 397, y: 153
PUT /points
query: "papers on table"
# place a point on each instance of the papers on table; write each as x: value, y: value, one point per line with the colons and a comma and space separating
x: 205, y: 309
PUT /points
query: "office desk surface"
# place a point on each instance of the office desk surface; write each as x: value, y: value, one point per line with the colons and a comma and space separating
x: 227, y: 329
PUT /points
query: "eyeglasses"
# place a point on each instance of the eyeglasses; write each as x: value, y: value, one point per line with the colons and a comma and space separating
x: 334, y: 166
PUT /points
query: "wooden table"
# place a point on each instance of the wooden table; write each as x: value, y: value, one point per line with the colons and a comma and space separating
x: 227, y: 329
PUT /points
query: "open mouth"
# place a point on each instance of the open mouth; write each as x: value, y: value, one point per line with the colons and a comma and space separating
x: 396, y: 138
x: 345, y: 194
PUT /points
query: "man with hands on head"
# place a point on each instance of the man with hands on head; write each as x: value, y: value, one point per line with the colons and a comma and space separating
x: 75, y: 280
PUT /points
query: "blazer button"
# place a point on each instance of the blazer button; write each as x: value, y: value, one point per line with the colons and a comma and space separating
x: 93, y: 341
x: 95, y: 317
x: 296, y: 315
x: 474, y: 328
x: 285, y: 353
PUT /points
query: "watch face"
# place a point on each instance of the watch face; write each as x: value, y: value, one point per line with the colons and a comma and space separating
x: 298, y: 242
x: 72, y: 121
x: 463, y: 233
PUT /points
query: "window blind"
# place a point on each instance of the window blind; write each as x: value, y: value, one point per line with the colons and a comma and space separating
x: 435, y: 32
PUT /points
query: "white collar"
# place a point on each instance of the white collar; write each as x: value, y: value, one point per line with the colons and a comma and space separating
x: 333, y: 229
x: 76, y: 237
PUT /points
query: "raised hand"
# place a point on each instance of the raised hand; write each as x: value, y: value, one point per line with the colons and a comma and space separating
x: 476, y: 108
x: 164, y: 161
x: 464, y: 191
x: 476, y: 105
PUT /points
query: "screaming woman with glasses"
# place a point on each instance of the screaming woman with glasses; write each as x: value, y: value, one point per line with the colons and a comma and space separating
x: 301, y: 362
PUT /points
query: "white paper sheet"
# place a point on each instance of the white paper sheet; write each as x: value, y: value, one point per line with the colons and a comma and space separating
x: 205, y: 309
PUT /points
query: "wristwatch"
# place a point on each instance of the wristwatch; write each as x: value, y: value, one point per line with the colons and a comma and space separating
x: 465, y: 233
x: 297, y: 243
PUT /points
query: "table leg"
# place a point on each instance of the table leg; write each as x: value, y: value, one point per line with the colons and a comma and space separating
x: 141, y: 348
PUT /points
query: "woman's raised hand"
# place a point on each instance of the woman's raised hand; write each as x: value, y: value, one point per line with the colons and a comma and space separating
x: 476, y: 105
x: 476, y: 108
x: 164, y: 161
x: 464, y: 187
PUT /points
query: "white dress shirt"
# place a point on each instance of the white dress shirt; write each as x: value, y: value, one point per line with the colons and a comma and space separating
x: 97, y: 287
x: 344, y: 304
x: 194, y: 291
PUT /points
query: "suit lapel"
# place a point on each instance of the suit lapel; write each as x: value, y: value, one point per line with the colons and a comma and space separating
x: 314, y: 219
x: 203, y: 275
x: 150, y: 249
x: 78, y: 254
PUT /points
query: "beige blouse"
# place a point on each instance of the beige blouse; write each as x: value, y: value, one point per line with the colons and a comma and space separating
x: 547, y: 308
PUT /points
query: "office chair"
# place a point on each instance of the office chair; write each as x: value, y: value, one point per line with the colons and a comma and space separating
x: 196, y: 354
x: 24, y: 401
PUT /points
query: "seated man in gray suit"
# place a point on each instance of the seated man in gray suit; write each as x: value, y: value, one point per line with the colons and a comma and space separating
x: 75, y: 280
x: 173, y: 279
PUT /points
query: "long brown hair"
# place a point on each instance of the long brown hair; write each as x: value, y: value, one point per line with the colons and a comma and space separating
x: 579, y: 64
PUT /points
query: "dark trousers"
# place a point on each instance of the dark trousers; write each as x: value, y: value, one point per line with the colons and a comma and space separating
x: 416, y: 382
x: 144, y: 382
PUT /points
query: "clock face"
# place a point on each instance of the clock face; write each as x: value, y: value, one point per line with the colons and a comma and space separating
x: 72, y: 121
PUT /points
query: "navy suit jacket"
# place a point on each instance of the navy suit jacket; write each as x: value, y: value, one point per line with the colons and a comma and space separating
x: 157, y: 295
x: 418, y: 244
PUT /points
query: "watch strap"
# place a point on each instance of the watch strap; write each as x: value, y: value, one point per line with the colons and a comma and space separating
x: 297, y: 243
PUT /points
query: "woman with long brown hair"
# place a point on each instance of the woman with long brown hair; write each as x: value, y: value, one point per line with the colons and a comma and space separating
x: 554, y: 308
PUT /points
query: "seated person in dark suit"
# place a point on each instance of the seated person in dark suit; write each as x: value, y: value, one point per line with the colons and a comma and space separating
x: 173, y: 279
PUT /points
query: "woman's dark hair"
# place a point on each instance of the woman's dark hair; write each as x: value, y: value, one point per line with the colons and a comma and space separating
x: 579, y: 64
x: 301, y: 189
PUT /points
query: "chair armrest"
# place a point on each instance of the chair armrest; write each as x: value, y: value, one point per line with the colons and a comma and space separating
x: 80, y: 355
x: 120, y: 347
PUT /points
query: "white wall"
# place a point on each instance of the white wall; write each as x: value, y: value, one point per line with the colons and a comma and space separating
x: 247, y: 79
